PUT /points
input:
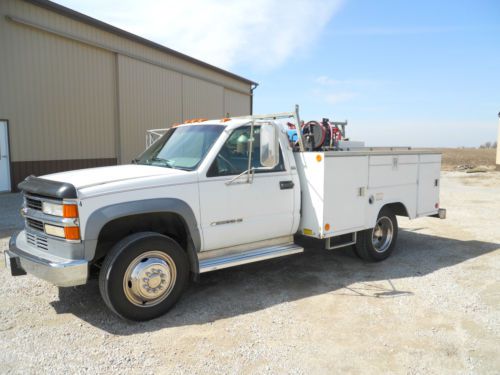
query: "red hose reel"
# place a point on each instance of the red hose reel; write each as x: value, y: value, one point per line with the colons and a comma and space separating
x: 321, y: 134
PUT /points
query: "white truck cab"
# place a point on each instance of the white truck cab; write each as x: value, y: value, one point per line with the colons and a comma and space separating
x: 214, y: 194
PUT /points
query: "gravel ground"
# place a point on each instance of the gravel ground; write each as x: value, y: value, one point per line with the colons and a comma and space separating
x: 433, y: 307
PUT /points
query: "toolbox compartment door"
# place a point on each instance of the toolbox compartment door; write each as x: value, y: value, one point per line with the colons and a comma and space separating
x: 429, y: 172
x: 345, y: 198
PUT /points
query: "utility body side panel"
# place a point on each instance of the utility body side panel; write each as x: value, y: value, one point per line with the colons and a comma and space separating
x: 345, y: 203
x: 343, y: 191
x: 429, y: 173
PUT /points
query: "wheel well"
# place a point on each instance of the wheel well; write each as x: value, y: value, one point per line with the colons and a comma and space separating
x: 398, y: 208
x: 167, y: 223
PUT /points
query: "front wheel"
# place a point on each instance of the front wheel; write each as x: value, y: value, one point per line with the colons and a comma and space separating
x: 377, y: 243
x: 143, y: 276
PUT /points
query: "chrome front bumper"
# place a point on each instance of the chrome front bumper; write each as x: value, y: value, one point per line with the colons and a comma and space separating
x: 21, y: 258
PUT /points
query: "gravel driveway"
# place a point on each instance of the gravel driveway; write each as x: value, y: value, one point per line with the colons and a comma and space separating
x: 433, y: 307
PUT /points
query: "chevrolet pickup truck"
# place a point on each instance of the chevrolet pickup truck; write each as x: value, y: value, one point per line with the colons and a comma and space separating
x: 213, y: 194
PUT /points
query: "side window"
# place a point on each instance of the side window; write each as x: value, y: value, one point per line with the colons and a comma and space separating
x: 232, y: 158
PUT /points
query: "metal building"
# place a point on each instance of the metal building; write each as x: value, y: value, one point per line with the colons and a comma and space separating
x: 76, y: 92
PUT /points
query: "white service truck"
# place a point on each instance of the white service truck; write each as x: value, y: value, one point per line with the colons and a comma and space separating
x: 213, y: 194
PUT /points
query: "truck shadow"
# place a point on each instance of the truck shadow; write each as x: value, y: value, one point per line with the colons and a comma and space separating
x: 246, y: 289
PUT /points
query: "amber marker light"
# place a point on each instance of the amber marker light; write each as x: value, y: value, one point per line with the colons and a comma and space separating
x: 72, y: 233
x: 70, y: 211
x: 327, y: 227
x: 318, y: 158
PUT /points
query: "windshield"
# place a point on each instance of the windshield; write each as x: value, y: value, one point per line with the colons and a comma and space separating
x: 181, y: 148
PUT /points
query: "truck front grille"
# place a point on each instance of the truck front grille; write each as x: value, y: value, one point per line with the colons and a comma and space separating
x: 34, y: 204
x: 38, y: 241
x: 35, y: 224
x: 36, y: 220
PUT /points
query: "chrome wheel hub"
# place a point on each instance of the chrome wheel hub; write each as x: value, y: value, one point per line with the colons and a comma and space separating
x: 149, y: 278
x: 382, y: 234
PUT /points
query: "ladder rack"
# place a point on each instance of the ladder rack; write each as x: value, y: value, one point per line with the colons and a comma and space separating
x: 280, y: 115
x: 154, y: 134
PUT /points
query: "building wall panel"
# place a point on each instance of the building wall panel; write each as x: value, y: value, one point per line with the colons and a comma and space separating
x: 77, y: 96
x: 67, y: 25
x: 236, y: 104
x: 57, y: 95
x: 149, y: 98
x: 201, y: 99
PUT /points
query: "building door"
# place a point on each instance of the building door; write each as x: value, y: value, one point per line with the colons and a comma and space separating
x: 4, y: 157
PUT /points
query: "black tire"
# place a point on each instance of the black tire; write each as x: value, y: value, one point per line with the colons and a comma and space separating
x: 373, y: 248
x: 354, y: 248
x: 126, y: 298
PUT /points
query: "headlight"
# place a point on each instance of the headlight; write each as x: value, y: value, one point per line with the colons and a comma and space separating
x: 52, y: 209
x: 54, y: 231
x: 69, y: 233
x: 62, y: 210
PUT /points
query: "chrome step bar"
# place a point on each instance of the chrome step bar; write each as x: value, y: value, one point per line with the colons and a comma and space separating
x: 250, y: 256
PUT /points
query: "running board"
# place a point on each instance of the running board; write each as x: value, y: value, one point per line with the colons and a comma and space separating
x: 250, y: 256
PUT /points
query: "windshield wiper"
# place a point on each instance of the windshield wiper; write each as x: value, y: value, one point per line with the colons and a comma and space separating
x: 168, y: 162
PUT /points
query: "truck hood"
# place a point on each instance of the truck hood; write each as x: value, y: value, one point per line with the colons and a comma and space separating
x: 86, y: 178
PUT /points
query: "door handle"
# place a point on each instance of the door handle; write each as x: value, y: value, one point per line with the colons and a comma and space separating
x: 286, y: 185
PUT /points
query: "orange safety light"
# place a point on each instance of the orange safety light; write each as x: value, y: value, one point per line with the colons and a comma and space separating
x: 70, y: 210
x: 225, y: 119
x: 318, y: 158
x: 327, y: 227
x: 195, y: 120
x: 72, y: 233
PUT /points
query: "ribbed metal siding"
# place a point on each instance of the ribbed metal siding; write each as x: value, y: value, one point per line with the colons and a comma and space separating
x: 66, y: 100
x: 201, y: 99
x: 67, y: 25
x: 236, y: 104
x: 150, y: 98
x: 57, y: 95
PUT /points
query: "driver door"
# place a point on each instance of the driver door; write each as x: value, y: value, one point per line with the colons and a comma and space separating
x: 244, y: 212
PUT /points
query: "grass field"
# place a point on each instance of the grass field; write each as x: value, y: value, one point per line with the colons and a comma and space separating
x: 454, y: 157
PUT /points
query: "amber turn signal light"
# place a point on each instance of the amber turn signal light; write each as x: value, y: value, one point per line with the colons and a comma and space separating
x: 70, y: 211
x: 72, y: 233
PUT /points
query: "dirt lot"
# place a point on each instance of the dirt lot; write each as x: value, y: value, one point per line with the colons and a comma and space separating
x: 456, y: 157
x: 433, y: 307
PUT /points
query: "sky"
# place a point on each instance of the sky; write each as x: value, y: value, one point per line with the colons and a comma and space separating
x: 403, y: 73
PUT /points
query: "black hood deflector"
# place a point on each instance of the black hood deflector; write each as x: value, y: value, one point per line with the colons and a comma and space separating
x: 48, y: 188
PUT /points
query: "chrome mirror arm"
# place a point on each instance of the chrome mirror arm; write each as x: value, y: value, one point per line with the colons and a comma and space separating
x: 251, y: 172
x: 238, y: 176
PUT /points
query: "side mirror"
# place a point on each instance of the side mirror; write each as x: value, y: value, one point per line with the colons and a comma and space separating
x: 269, y: 145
